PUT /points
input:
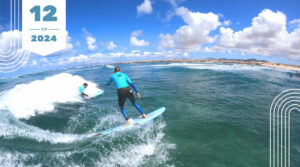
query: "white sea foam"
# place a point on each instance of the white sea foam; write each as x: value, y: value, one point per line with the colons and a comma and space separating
x: 149, y: 147
x: 215, y: 66
x: 10, y: 127
x: 138, y: 154
x: 109, y: 66
x: 40, y: 96
x: 149, y: 144
x: 13, y: 159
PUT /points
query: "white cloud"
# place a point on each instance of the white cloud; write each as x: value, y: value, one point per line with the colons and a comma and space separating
x: 90, y: 40
x: 78, y: 58
x: 68, y: 49
x: 295, y: 21
x: 137, y: 33
x: 87, y: 59
x: 267, y: 36
x: 97, y: 56
x: 185, y: 54
x: 111, y: 46
x: 171, y: 13
x: 148, y: 54
x: 9, y: 41
x: 144, y: 8
x: 44, y: 60
x: 33, y: 63
x: 174, y: 3
x: 191, y: 36
x: 134, y: 41
x: 227, y: 23
x: 133, y: 55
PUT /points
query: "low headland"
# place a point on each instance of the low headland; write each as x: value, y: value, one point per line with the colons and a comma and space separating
x: 230, y: 61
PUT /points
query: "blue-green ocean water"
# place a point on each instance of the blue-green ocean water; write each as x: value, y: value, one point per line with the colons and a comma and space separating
x: 217, y: 116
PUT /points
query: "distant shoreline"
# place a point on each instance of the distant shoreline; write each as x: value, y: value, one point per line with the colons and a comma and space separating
x: 232, y: 61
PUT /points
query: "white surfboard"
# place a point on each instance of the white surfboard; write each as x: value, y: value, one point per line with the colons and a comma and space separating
x: 135, y: 122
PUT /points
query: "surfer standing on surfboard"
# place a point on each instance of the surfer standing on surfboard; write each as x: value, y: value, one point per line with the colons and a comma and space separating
x: 122, y: 82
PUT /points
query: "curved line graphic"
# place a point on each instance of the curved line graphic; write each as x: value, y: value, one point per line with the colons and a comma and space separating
x: 285, y: 102
x: 14, y: 58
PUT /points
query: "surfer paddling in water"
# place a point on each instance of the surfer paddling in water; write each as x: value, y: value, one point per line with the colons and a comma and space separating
x: 81, y: 90
x: 122, y: 82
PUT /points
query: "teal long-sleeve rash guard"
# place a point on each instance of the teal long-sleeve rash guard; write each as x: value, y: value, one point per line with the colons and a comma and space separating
x: 121, y: 80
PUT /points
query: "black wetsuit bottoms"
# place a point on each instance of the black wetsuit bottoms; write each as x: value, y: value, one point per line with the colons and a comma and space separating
x: 84, y: 95
x: 123, y: 94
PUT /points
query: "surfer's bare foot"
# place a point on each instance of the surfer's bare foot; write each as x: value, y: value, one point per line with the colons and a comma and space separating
x: 144, y: 116
x: 128, y: 122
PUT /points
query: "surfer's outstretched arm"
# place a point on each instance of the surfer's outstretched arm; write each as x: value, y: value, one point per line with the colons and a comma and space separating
x: 84, y: 95
x: 132, y: 84
x: 109, y: 81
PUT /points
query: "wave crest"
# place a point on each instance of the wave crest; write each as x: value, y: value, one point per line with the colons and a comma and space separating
x: 40, y: 96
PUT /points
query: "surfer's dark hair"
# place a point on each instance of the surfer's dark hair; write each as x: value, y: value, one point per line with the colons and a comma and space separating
x: 117, y: 69
x: 85, y: 84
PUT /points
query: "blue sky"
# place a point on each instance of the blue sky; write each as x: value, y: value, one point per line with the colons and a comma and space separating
x: 106, y: 31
